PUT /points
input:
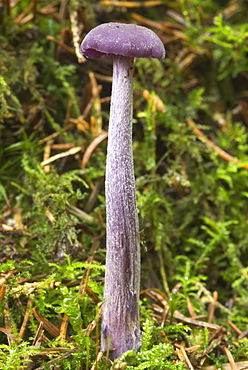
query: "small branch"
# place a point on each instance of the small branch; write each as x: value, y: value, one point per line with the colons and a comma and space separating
x: 92, y: 147
x: 71, y: 151
x: 25, y: 319
x: 63, y: 327
x: 221, y: 153
x: 133, y: 4
x: 230, y: 358
x: 61, y: 43
x: 182, y: 355
x: 211, y: 307
x: 75, y: 35
x: 48, y: 326
x: 234, y: 327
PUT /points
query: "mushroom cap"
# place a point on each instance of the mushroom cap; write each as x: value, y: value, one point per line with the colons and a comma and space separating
x: 129, y: 40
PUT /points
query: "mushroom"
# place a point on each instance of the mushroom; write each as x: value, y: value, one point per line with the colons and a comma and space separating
x: 120, y: 311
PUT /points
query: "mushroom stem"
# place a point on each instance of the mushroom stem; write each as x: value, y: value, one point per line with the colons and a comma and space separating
x: 120, y: 315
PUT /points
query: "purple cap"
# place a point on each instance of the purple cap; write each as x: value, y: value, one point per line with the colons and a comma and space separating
x: 129, y: 40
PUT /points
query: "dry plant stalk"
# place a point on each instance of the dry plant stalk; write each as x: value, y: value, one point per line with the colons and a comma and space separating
x: 190, y: 307
x: 211, y: 307
x: 8, y: 327
x: 182, y: 355
x: 25, y: 319
x: 132, y: 4
x: 221, y: 153
x: 84, y: 281
x: 96, y: 128
x: 75, y: 35
x: 90, y: 149
x: 50, y: 327
x: 230, y: 358
x: 60, y: 43
x: 63, y: 327
x: 71, y: 151
x: 46, y: 155
x: 155, y: 294
x: 234, y: 327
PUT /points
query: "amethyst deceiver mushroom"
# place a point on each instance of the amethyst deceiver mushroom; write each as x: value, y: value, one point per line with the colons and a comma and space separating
x: 120, y: 311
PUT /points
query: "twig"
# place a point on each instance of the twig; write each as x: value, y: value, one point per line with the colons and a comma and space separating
x: 8, y: 326
x: 50, y: 327
x: 46, y: 155
x: 234, y: 327
x: 94, y: 195
x: 38, y: 335
x: 221, y: 153
x: 96, y: 125
x: 216, y: 334
x: 84, y: 282
x: 60, y: 43
x: 92, y: 147
x: 28, y: 363
x: 4, y: 279
x: 63, y: 327
x: 188, y: 320
x: 80, y: 213
x: 19, y: 19
x: 243, y: 334
x: 99, y: 357
x: 191, y: 349
x: 133, y: 4
x: 25, y: 319
x: 55, y: 360
x: 211, y: 307
x: 190, y: 307
x: 182, y: 355
x: 55, y: 134
x: 75, y: 34
x: 167, y: 27
x: 71, y: 151
x: 230, y: 358
x: 161, y: 298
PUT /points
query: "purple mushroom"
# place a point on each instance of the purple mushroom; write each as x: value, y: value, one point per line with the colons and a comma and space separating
x: 120, y: 311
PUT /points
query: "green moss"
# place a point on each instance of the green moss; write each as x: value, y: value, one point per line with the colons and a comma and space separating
x: 192, y: 201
